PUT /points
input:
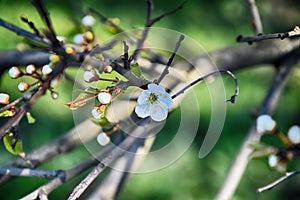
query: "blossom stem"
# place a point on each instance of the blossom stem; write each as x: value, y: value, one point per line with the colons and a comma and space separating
x: 232, y: 99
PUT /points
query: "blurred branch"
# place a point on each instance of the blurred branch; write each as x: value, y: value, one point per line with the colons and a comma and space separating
x: 63, y: 144
x: 141, y: 131
x: 278, y: 181
x: 46, y: 189
x: 242, y: 158
x: 255, y: 16
x: 27, y: 172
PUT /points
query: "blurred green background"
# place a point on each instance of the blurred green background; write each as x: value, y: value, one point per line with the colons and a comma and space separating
x: 214, y: 24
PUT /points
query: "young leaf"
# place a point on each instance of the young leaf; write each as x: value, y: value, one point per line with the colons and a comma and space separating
x: 30, y: 119
x: 7, y: 113
x: 16, y: 148
x: 136, y: 70
x: 81, y: 100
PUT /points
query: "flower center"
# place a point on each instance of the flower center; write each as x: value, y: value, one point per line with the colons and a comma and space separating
x: 153, y: 97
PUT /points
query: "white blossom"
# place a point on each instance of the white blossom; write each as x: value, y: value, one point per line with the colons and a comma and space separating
x: 4, y: 98
x: 78, y: 39
x: 30, y: 69
x: 103, y: 139
x: 46, y: 69
x: 294, y: 134
x: 104, y: 97
x: 14, y: 72
x: 273, y: 160
x: 265, y: 123
x: 88, y: 20
x: 154, y: 102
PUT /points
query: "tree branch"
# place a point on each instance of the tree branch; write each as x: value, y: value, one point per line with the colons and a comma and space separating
x: 242, y: 158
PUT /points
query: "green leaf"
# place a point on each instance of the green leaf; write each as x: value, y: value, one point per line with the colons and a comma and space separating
x: 7, y: 113
x: 136, y: 70
x: 17, y: 148
x: 30, y: 119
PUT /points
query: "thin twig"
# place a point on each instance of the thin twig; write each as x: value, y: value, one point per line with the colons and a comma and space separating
x: 255, y: 16
x: 260, y: 37
x: 149, y: 22
x: 232, y: 99
x: 22, y: 32
x: 46, y: 18
x: 278, y: 181
x: 166, y: 70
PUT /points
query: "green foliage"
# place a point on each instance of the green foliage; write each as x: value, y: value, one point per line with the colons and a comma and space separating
x: 12, y: 144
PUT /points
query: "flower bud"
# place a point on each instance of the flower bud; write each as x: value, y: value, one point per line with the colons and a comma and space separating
x: 4, y: 98
x: 22, y: 86
x: 265, y: 123
x: 14, y: 72
x: 54, y: 58
x: 108, y: 69
x: 96, y: 113
x: 90, y: 76
x: 104, y: 97
x: 54, y: 95
x: 273, y: 160
x: 30, y: 69
x: 103, y: 139
x: 88, y: 20
x: 294, y: 134
x: 88, y: 36
x: 46, y: 69
x: 70, y: 50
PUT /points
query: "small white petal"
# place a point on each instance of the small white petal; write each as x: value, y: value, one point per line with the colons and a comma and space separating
x: 273, y: 160
x: 142, y: 111
x: 46, y: 69
x: 103, y: 139
x: 78, y: 39
x: 88, y: 20
x: 265, y: 123
x: 30, y: 69
x: 96, y: 114
x: 87, y: 76
x: 4, y: 98
x: 144, y: 97
x: 155, y: 88
x: 166, y: 99
x: 104, y: 97
x: 294, y: 134
x: 14, y: 72
x: 159, y: 112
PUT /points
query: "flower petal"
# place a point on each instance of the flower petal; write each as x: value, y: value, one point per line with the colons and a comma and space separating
x: 155, y: 88
x: 144, y: 97
x: 159, y: 112
x: 142, y: 110
x: 166, y: 99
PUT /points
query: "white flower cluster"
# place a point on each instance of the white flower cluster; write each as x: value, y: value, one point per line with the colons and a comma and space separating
x: 265, y: 123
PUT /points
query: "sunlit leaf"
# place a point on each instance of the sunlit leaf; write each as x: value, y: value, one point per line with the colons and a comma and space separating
x: 81, y: 100
x: 30, y: 119
x: 16, y: 148
x: 7, y: 113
